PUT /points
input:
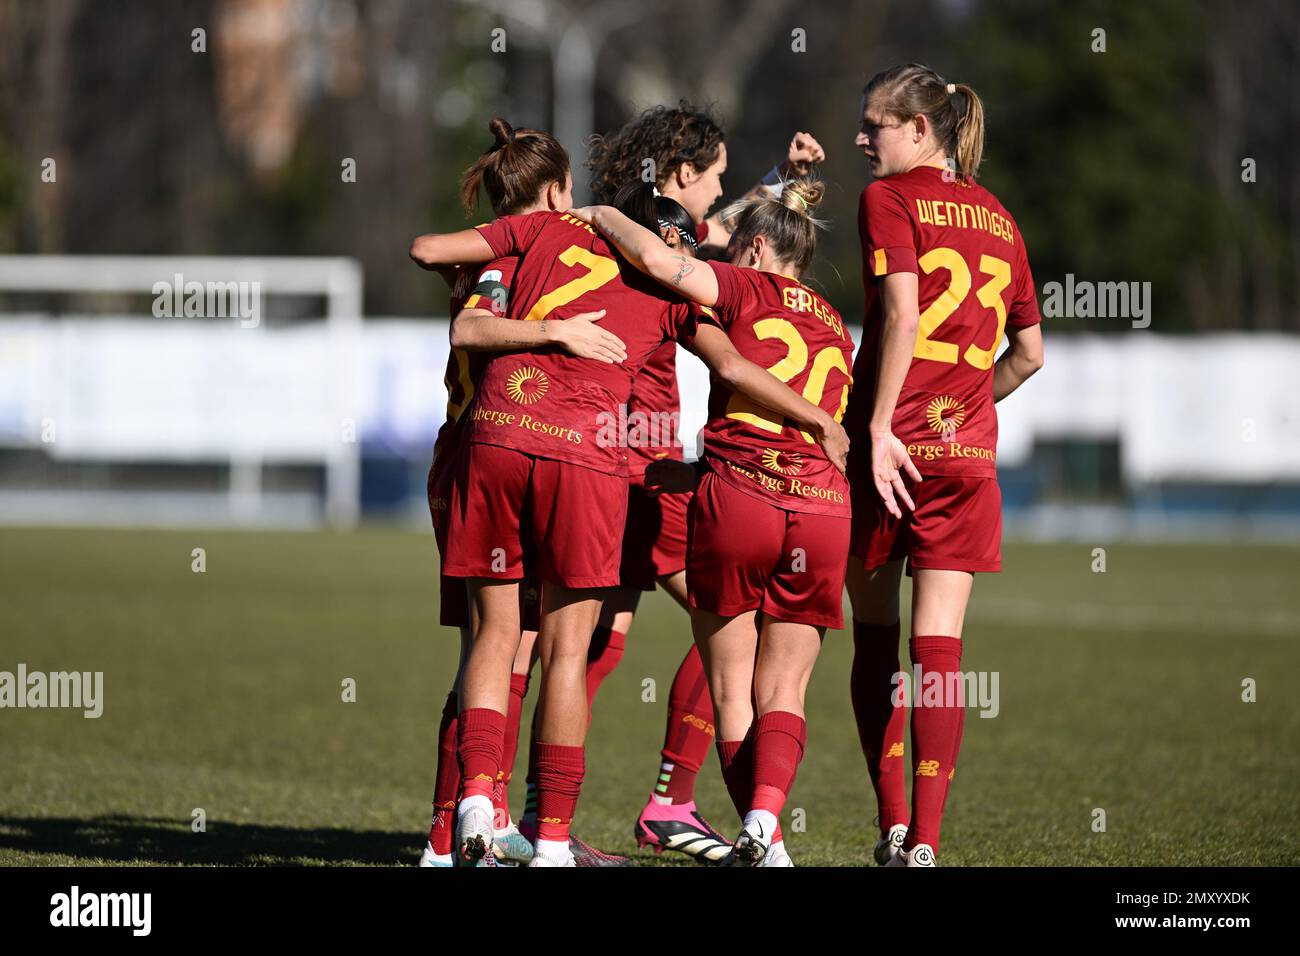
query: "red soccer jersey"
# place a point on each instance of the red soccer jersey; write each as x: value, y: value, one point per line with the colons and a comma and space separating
x: 464, y: 369
x: 654, y: 411
x: 779, y: 323
x: 974, y: 279
x: 549, y: 403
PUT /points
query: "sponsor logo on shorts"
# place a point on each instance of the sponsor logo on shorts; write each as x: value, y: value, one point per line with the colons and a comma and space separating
x: 782, y: 462
x: 945, y: 415
x: 527, y: 384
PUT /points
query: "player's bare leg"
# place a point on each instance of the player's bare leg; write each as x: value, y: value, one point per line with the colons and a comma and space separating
x: 882, y: 726
x: 568, y: 617
x: 939, y: 600
x: 484, y: 701
x: 670, y: 820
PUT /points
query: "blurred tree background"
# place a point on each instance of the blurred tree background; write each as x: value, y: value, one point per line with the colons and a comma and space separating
x: 1123, y: 165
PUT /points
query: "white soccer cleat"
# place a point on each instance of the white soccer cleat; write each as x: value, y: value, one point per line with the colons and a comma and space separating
x: 474, y: 833
x: 750, y: 848
x: 545, y: 859
x: 512, y: 847
x: 889, y: 846
x: 429, y: 858
x: 921, y: 855
x: 776, y: 855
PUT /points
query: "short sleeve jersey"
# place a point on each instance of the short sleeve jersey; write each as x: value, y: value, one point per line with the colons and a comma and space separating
x: 547, y: 402
x: 780, y: 324
x: 973, y: 281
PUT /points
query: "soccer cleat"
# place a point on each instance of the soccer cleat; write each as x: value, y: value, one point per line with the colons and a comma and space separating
x: 921, y: 855
x: 542, y: 859
x: 512, y: 847
x: 680, y: 827
x: 584, y: 854
x: 776, y: 855
x: 888, y: 846
x: 474, y: 835
x: 429, y: 858
x: 749, y: 850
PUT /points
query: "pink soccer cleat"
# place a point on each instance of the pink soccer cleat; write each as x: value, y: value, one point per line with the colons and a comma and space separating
x: 679, y: 826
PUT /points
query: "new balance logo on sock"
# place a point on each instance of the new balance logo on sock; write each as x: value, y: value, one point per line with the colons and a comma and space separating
x: 927, y: 768
x: 895, y: 750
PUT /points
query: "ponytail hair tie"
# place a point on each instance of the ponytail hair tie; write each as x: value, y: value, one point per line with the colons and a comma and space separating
x: 952, y: 88
x: 655, y: 191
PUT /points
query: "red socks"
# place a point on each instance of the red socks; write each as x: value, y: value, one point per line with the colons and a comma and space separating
x: 510, y: 746
x: 779, y: 742
x: 560, y: 769
x: 605, y: 652
x: 737, y: 758
x: 446, y: 781
x: 881, y: 725
x: 689, y: 732
x: 482, y: 738
x: 936, y: 737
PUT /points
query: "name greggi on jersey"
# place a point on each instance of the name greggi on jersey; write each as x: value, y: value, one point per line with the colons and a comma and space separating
x: 801, y: 300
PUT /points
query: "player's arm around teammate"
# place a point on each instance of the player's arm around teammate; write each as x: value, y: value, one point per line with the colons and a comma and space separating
x: 679, y: 272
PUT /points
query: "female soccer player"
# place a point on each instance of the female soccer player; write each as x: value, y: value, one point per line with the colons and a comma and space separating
x: 945, y: 274
x: 525, y: 170
x: 686, y: 150
x: 769, y: 524
x: 538, y: 478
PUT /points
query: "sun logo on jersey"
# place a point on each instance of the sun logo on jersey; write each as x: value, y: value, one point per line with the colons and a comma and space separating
x: 782, y: 462
x: 526, y: 385
x: 945, y: 415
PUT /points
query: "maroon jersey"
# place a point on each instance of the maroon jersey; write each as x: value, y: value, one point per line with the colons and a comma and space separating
x: 779, y: 323
x: 491, y: 291
x: 654, y: 411
x: 549, y: 403
x: 974, y: 280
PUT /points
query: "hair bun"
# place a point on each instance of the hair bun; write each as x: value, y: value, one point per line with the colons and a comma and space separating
x: 803, y: 195
x: 502, y: 130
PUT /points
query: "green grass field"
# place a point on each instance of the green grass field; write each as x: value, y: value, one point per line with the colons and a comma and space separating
x: 222, y: 691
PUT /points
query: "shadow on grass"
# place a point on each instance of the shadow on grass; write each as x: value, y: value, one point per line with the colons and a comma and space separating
x: 158, y: 840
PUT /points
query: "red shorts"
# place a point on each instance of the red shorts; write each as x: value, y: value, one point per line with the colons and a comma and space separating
x: 746, y: 555
x: 654, y: 540
x: 957, y: 525
x: 507, y: 506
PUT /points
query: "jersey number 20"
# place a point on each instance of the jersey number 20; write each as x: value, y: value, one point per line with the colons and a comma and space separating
x: 795, y: 361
